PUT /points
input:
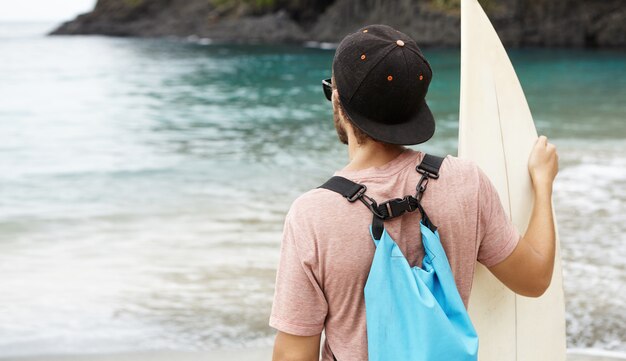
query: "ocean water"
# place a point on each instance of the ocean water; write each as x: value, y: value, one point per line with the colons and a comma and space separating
x: 143, y: 184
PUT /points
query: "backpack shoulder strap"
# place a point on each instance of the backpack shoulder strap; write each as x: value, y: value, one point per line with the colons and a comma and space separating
x: 429, y: 169
x: 352, y: 191
x: 347, y: 188
x: 430, y: 166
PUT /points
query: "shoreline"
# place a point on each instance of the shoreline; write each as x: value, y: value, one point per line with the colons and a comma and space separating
x: 250, y: 355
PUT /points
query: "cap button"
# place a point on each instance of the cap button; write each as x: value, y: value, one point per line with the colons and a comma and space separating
x: 400, y: 43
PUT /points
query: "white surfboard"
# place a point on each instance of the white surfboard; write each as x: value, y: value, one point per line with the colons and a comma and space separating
x: 497, y: 131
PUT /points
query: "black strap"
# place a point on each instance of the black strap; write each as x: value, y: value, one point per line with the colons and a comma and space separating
x: 429, y: 168
x: 378, y: 226
x: 347, y: 188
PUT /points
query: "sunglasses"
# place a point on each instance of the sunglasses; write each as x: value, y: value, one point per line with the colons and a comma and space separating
x: 328, y: 88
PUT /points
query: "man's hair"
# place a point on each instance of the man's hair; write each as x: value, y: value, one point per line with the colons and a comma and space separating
x: 361, y: 136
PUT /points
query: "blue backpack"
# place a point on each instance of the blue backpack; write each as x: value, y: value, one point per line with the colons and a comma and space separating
x: 412, y: 313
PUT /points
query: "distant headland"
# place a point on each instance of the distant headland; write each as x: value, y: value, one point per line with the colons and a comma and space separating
x: 528, y: 23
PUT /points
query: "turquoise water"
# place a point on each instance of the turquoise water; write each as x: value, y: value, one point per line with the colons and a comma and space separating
x: 144, y: 184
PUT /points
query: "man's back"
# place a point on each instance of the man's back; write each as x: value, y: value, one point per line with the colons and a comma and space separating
x: 378, y: 87
x: 327, y: 250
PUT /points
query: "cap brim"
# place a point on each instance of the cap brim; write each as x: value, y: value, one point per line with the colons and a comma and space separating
x: 417, y: 129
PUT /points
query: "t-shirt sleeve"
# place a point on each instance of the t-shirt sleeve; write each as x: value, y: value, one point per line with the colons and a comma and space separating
x: 299, y: 306
x: 496, y: 233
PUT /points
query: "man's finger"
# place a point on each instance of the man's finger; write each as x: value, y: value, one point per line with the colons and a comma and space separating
x: 543, y: 140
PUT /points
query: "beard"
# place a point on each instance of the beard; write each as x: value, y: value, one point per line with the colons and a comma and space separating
x: 341, y: 130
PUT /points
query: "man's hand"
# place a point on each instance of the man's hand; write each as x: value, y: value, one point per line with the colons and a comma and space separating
x: 528, y: 270
x: 296, y: 348
x: 543, y: 165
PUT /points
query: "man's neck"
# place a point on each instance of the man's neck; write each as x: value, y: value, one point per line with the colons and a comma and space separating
x: 371, y: 154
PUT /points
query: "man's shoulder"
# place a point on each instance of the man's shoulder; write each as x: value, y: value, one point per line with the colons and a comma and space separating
x: 459, y: 175
x: 311, y: 202
x: 458, y: 165
x: 464, y: 178
x: 314, y: 210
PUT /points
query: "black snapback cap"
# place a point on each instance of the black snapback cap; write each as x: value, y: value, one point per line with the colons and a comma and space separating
x: 382, y: 78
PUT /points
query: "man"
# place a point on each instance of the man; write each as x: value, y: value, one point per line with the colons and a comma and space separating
x: 380, y: 79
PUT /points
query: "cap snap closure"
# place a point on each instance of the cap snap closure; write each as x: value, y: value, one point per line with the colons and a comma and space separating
x: 400, y: 43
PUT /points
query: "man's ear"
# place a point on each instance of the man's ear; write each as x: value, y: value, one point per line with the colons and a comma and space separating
x: 335, y: 93
x: 334, y: 99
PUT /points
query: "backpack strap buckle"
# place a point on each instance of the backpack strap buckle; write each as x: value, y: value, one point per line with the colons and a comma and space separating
x: 358, y: 194
x: 352, y: 191
x: 397, y: 206
x: 426, y: 173
x: 429, y: 167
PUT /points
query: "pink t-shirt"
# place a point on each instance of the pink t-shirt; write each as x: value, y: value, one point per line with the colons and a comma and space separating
x: 327, y: 250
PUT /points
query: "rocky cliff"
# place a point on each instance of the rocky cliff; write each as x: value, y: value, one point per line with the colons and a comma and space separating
x: 556, y: 23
